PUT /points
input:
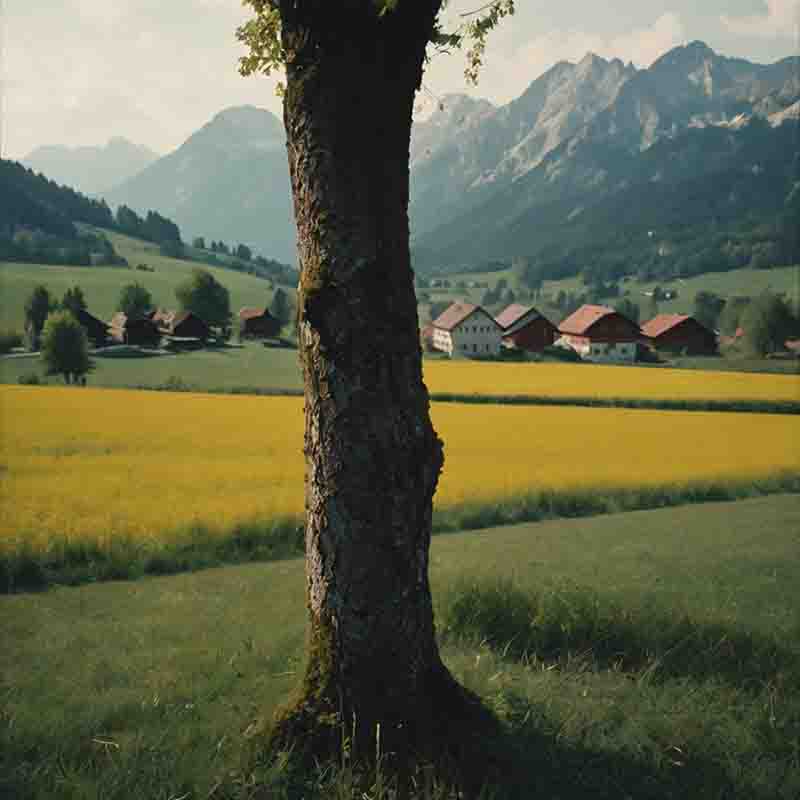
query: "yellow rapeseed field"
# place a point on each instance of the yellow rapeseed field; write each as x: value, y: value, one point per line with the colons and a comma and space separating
x: 595, y: 380
x: 94, y: 464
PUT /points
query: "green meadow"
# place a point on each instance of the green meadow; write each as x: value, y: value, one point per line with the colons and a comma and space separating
x: 101, y: 285
x: 746, y: 282
x: 652, y: 654
x: 251, y: 365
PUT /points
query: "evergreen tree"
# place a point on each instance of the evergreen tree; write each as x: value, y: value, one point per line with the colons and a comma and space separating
x: 74, y: 300
x: 37, y: 307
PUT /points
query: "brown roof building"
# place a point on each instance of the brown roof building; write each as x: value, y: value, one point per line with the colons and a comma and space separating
x: 139, y: 331
x: 258, y: 323
x: 680, y: 333
x: 599, y: 333
x: 181, y: 324
x: 524, y: 328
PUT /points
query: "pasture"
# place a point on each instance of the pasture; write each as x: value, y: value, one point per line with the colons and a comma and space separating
x: 672, y: 669
x: 87, y: 472
x: 253, y: 366
x: 745, y: 281
x: 101, y: 285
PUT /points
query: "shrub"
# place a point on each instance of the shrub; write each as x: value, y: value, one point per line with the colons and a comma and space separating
x: 9, y: 340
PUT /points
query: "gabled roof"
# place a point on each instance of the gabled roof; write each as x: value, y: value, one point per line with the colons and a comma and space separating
x: 587, y: 315
x: 453, y: 315
x: 663, y: 323
x: 85, y: 318
x: 252, y: 313
x: 517, y: 317
x: 181, y: 316
x: 122, y: 320
x: 507, y: 317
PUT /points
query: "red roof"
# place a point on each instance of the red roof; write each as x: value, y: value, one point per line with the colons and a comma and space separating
x: 583, y: 319
x: 252, y: 313
x: 507, y: 317
x: 454, y: 315
x: 662, y: 323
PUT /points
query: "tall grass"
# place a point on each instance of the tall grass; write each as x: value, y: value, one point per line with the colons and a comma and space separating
x: 71, y: 561
x: 566, y: 623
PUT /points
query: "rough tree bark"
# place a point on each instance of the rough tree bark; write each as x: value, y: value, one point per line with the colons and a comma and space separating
x: 372, y: 456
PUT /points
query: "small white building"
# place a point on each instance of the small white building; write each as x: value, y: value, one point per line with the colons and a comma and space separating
x: 464, y: 329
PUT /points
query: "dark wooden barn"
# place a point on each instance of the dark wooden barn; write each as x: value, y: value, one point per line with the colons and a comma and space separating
x: 258, y: 323
x: 97, y: 331
x: 524, y: 328
x: 181, y: 324
x: 680, y: 333
x: 138, y: 331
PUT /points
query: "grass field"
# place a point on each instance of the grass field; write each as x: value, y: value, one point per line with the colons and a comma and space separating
x: 746, y: 281
x: 251, y: 365
x: 257, y: 367
x: 101, y: 285
x: 86, y: 471
x: 672, y: 669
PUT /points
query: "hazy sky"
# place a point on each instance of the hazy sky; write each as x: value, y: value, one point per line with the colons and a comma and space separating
x: 78, y: 72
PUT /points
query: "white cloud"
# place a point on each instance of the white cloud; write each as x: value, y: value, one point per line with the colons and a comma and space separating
x: 642, y: 46
x: 508, y: 70
x: 782, y: 19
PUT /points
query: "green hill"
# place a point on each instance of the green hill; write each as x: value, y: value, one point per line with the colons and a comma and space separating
x: 102, y: 285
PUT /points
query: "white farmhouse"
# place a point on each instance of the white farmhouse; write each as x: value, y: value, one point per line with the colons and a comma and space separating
x: 465, y: 329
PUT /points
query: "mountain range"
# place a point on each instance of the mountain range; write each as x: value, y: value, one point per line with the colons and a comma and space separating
x: 593, y: 140
x: 91, y: 170
x: 229, y: 181
x: 589, y: 154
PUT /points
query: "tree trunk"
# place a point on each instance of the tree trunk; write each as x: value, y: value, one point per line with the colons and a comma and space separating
x: 372, y: 455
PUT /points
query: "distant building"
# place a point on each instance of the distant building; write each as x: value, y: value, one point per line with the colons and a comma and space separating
x: 680, y: 333
x: 599, y: 333
x: 181, y: 324
x: 258, y: 323
x: 97, y: 331
x: 465, y: 329
x: 524, y: 328
x: 139, y: 331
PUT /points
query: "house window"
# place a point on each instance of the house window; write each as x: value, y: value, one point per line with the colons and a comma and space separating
x: 474, y: 348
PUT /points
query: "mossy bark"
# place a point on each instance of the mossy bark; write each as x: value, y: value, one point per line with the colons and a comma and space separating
x: 372, y: 456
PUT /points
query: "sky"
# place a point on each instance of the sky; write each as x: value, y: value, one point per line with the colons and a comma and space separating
x: 78, y: 72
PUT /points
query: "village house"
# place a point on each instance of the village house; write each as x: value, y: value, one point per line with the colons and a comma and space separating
x: 524, y: 328
x: 680, y: 333
x: 599, y: 333
x: 465, y: 329
x: 138, y: 331
x: 96, y: 329
x: 181, y: 324
x: 258, y: 323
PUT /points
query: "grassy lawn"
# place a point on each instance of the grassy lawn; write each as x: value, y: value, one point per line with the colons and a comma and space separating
x: 251, y: 365
x: 101, y: 285
x: 653, y: 654
x: 749, y: 282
